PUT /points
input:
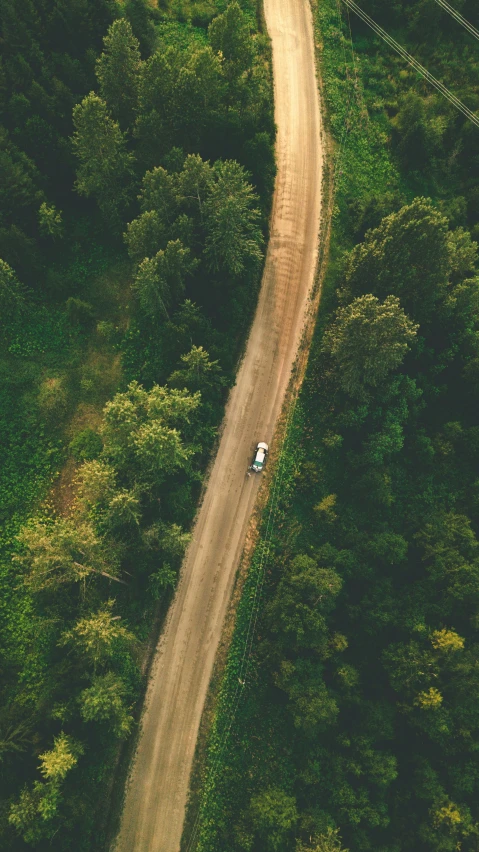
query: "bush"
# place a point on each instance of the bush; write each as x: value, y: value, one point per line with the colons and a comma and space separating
x: 53, y: 399
x: 86, y: 445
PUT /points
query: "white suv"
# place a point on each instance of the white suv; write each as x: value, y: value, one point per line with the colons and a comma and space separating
x: 259, y: 457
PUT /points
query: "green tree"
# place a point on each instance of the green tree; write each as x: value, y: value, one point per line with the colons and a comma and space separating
x: 141, y: 435
x: 169, y: 539
x: 98, y: 636
x: 311, y: 704
x: 159, y: 450
x: 205, y: 68
x: 462, y: 255
x: 197, y: 372
x: 367, y: 341
x: 274, y: 816
x: 159, y: 281
x: 330, y: 841
x: 411, y: 667
x: 229, y: 34
x: 429, y: 699
x: 419, y: 135
x: 159, y: 193
x: 34, y: 814
x: 197, y: 97
x: 305, y: 596
x: 447, y: 641
x: 50, y: 221
x: 173, y: 406
x: 153, y: 127
x: 104, y: 701
x: 145, y: 235
x: 122, y: 416
x: 65, y: 551
x: 194, y: 183
x: 106, y: 168
x: 96, y: 482
x: 140, y: 16
x: 124, y: 510
x: 450, y: 552
x: 118, y: 70
x: 57, y: 763
x: 86, y: 445
x: 152, y: 289
x: 20, y: 181
x: 12, y: 295
x: 406, y: 256
x: 15, y: 733
x: 234, y: 239
x: 163, y: 578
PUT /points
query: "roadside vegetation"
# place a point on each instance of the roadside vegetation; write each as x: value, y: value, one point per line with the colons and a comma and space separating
x: 348, y: 719
x: 136, y: 172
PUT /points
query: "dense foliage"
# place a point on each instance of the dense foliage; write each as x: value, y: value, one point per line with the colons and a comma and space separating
x: 136, y: 170
x: 358, y: 725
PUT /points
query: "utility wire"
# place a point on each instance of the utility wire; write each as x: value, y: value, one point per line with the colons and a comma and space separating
x: 349, y: 105
x: 412, y: 61
x: 455, y: 14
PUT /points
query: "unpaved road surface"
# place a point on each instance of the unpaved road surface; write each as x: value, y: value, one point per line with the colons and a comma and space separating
x: 156, y: 796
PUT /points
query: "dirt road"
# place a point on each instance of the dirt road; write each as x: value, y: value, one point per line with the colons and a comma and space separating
x: 156, y: 796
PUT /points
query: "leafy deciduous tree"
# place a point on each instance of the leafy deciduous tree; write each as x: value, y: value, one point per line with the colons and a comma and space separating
x: 104, y: 701
x: 160, y: 279
x: 274, y: 816
x: 197, y: 372
x: 406, y: 256
x: 98, y: 636
x: 229, y: 34
x: 66, y: 551
x: 12, y: 294
x: 50, y: 220
x: 367, y: 341
x: 330, y: 841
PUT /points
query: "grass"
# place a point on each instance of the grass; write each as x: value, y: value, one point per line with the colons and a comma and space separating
x: 55, y: 378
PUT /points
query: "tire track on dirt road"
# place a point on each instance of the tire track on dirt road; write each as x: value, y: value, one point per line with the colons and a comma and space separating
x: 156, y: 794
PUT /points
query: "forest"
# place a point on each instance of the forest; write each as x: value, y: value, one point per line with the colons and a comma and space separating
x: 136, y: 174
x: 350, y: 720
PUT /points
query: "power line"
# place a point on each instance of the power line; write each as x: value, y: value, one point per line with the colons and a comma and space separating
x: 455, y: 14
x: 349, y: 102
x: 415, y: 64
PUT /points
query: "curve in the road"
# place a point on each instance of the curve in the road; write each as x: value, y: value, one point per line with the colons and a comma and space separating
x: 154, y: 810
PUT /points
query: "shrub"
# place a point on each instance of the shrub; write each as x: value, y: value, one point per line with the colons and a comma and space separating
x: 86, y: 445
x: 53, y: 399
